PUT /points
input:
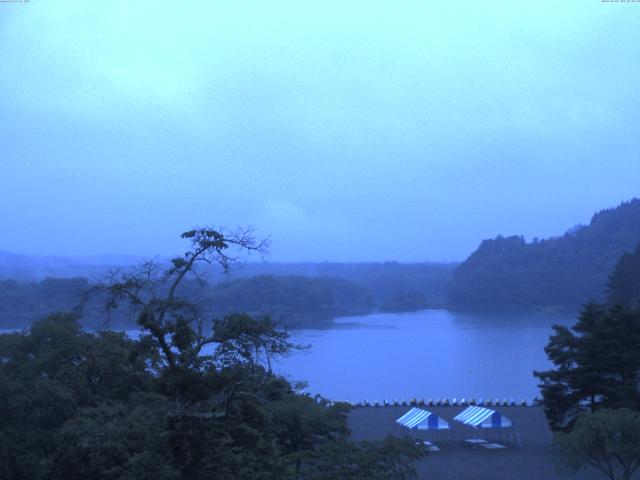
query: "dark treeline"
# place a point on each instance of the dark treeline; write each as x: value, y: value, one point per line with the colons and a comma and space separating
x: 385, y: 281
x: 297, y: 294
x: 293, y: 300
x: 24, y: 302
x: 407, y: 301
x: 624, y: 282
x: 563, y: 271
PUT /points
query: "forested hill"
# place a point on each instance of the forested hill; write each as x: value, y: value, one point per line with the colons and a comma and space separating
x: 387, y: 281
x: 624, y: 282
x: 561, y: 271
x: 293, y: 300
x: 393, y: 286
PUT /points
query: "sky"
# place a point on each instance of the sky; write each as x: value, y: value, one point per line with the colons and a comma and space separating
x: 343, y: 131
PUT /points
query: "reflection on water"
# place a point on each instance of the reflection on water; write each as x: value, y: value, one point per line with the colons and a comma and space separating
x: 433, y: 353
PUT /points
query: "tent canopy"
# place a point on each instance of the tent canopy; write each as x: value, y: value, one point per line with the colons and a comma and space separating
x: 481, y: 417
x: 422, y: 420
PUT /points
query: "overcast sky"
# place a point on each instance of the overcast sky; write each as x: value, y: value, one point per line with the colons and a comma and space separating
x: 345, y: 131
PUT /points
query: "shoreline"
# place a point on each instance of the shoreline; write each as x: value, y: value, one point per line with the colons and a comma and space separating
x: 444, y: 402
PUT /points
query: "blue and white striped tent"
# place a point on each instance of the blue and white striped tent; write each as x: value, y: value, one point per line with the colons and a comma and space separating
x: 422, y: 420
x: 481, y: 417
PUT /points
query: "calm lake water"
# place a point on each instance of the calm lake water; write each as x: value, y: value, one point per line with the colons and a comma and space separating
x: 427, y: 354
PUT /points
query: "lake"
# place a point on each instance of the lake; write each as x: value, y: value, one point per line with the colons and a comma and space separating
x: 426, y: 354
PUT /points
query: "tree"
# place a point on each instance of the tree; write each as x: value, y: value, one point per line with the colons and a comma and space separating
x: 624, y: 281
x: 597, y: 365
x: 52, y: 373
x: 153, y: 292
x: 608, y: 440
x: 243, y: 339
x: 392, y: 458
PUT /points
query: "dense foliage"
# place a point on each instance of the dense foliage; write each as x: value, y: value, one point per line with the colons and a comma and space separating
x: 608, y: 440
x: 597, y: 365
x: 563, y: 271
x: 78, y: 405
x: 624, y: 282
x: 192, y: 398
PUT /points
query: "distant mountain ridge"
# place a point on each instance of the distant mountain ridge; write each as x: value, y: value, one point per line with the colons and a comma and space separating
x: 29, y: 268
x: 302, y: 294
x: 562, y: 271
x: 385, y: 280
x: 294, y: 300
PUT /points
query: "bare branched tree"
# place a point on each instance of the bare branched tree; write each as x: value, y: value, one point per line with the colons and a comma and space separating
x: 151, y: 291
